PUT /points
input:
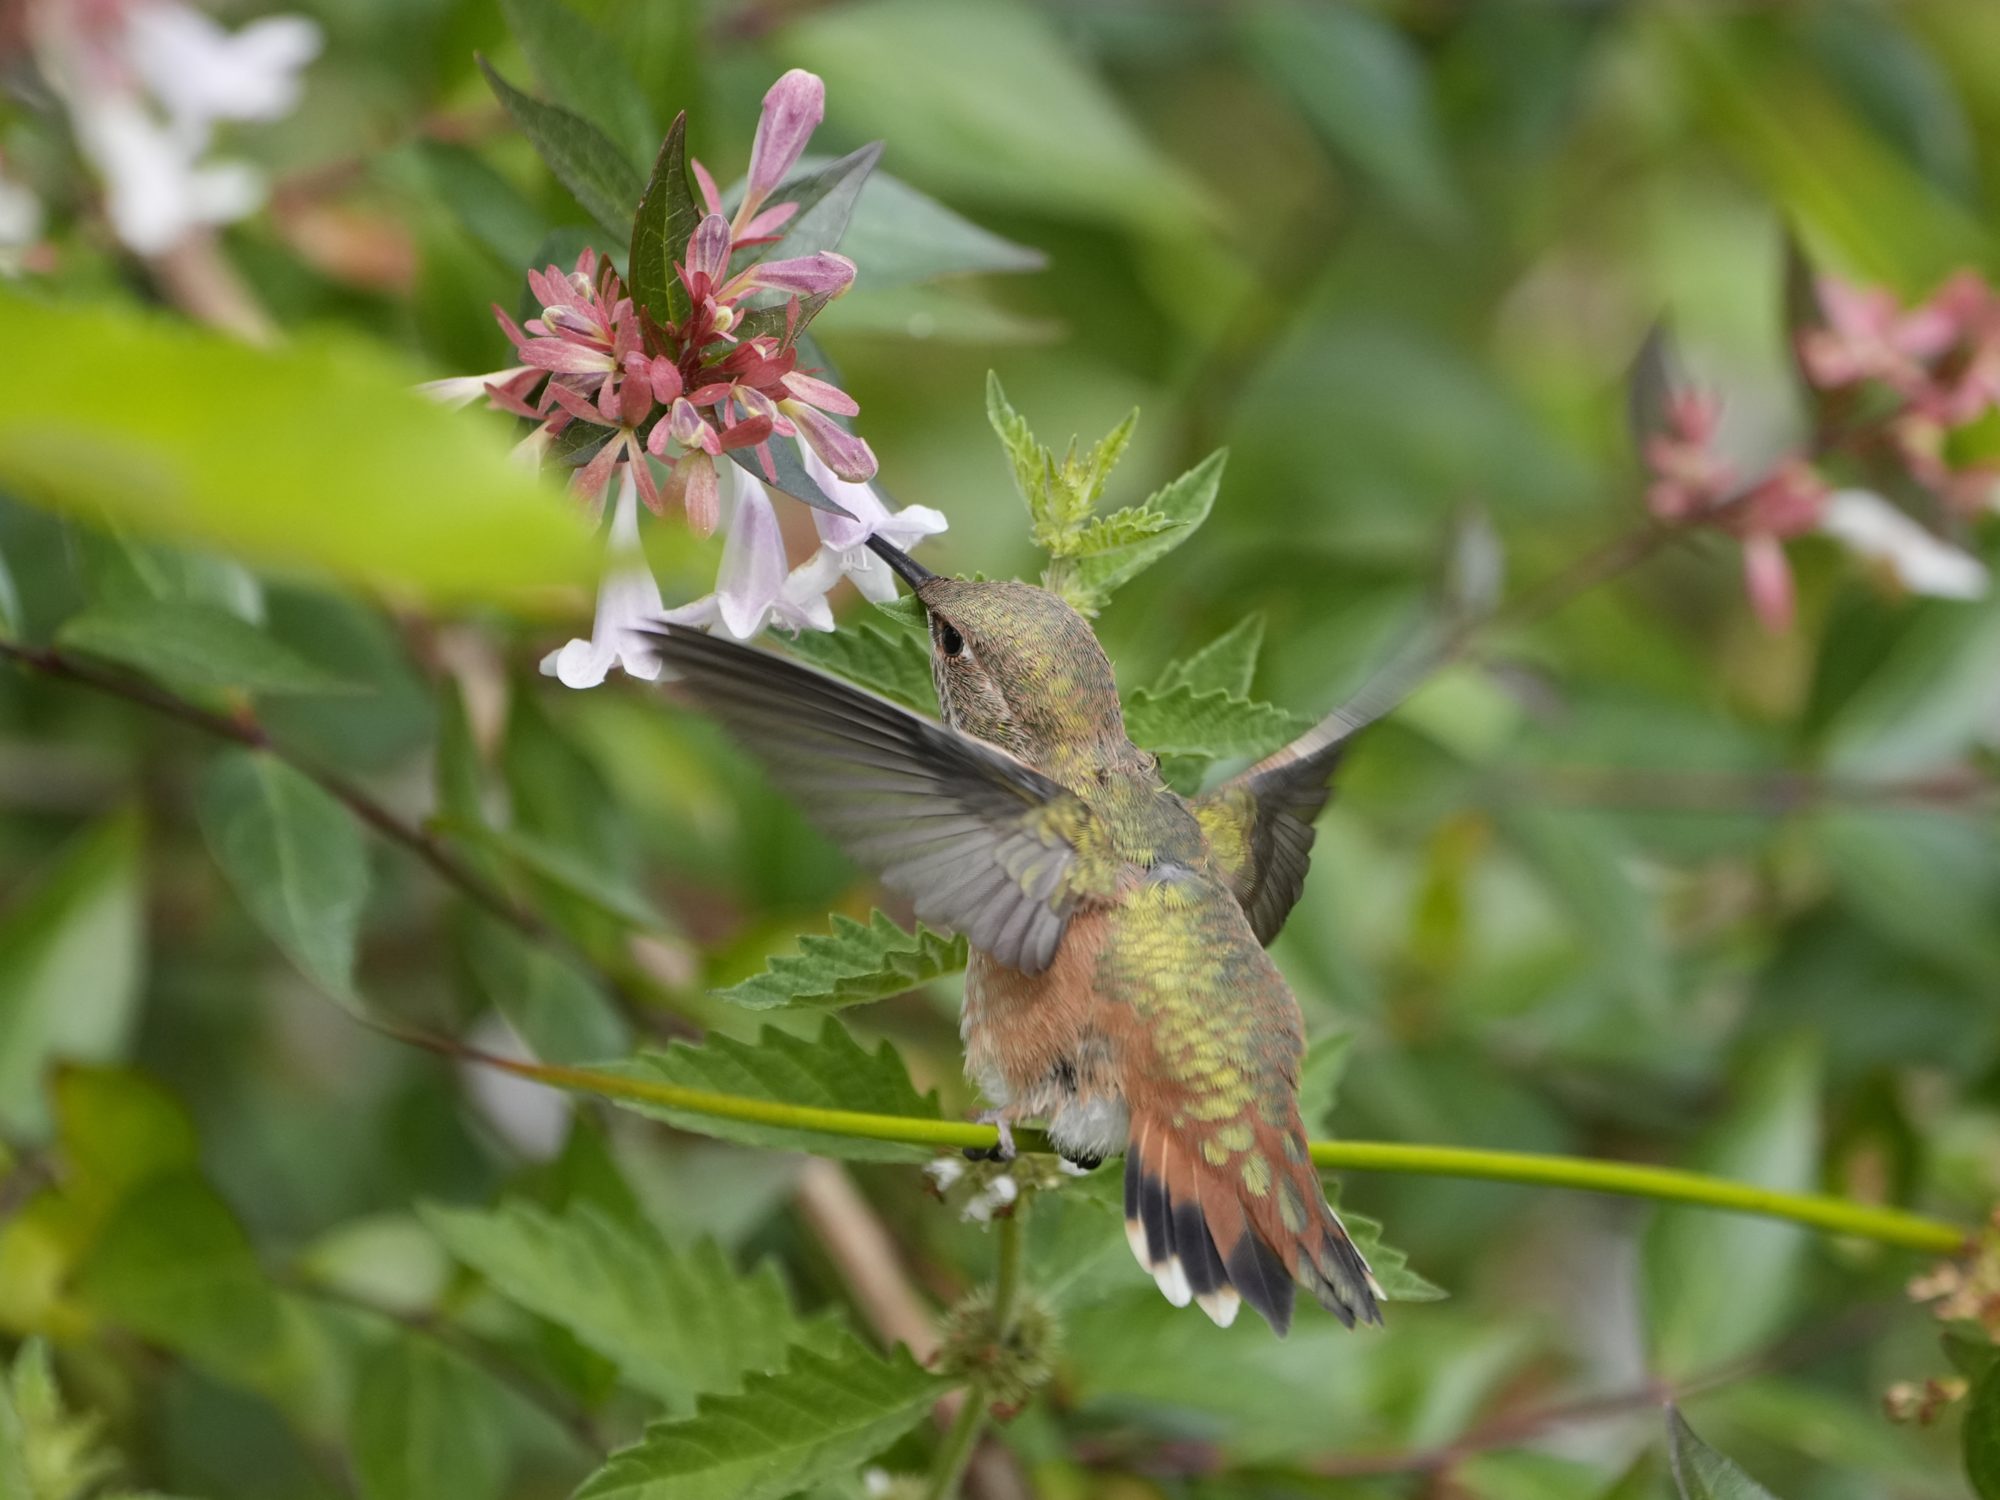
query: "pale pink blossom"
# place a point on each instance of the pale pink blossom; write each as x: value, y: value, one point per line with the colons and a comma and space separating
x: 756, y: 586
x: 628, y: 603
x: 846, y: 537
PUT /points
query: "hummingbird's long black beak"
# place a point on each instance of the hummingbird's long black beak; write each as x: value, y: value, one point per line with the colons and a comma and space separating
x: 912, y: 572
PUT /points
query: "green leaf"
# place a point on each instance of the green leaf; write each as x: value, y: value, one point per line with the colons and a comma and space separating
x: 1187, y: 501
x: 584, y: 70
x: 831, y: 1072
x: 826, y: 200
x: 595, y: 171
x: 1320, y: 1073
x: 1391, y: 1267
x: 892, y: 661
x: 594, y: 886
x: 295, y: 858
x: 1119, y: 529
x: 855, y: 963
x: 1700, y: 1473
x: 820, y: 1418
x: 788, y: 475
x: 1981, y: 1435
x: 426, y: 1424
x: 560, y: 1014
x: 1364, y: 88
x: 1717, y: 1286
x: 72, y: 954
x: 491, y: 210
x: 1918, y: 710
x: 316, y: 454
x: 1226, y: 664
x: 666, y: 218
x: 45, y: 1452
x: 1218, y: 725
x: 676, y: 1322
x: 898, y: 236
x: 989, y: 98
x: 1927, y: 881
x: 196, y: 646
x: 10, y: 603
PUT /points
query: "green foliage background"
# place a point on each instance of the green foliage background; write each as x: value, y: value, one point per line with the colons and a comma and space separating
x: 1638, y: 881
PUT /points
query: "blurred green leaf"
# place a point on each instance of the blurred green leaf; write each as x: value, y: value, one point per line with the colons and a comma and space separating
x: 677, y: 1323
x: 1718, y: 1286
x: 46, y: 1453
x: 890, y: 660
x: 1391, y: 1267
x: 559, y: 1013
x: 1320, y: 1072
x: 119, y: 571
x: 486, y: 205
x: 1981, y: 1435
x: 196, y: 646
x: 591, y: 884
x: 72, y: 955
x: 898, y: 235
x: 665, y: 219
x: 855, y: 963
x: 983, y: 95
x: 595, y: 171
x: 1926, y: 881
x: 313, y: 455
x: 1365, y: 89
x: 584, y: 70
x: 1700, y: 1473
x: 1897, y: 83
x: 294, y: 857
x: 1218, y: 725
x: 426, y: 1424
x: 831, y: 1071
x: 10, y: 603
x: 1226, y: 664
x: 819, y: 1418
x: 1921, y: 706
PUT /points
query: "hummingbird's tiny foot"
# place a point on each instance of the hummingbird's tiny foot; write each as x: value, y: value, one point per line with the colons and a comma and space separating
x: 1004, y: 1151
x: 1081, y: 1166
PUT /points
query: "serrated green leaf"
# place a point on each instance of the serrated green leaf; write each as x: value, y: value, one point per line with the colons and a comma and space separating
x: 1218, y: 725
x: 1017, y: 439
x: 196, y: 646
x: 595, y: 171
x: 832, y: 1071
x: 46, y: 1453
x: 426, y: 1424
x: 1187, y: 501
x: 892, y: 661
x: 71, y: 964
x: 304, y: 456
x: 295, y: 858
x: 666, y: 217
x: 819, y: 1418
x: 1700, y: 1473
x: 1391, y: 1267
x: 1119, y: 529
x: 1719, y: 1285
x: 1227, y: 664
x: 676, y: 1323
x: 584, y: 70
x: 1980, y: 1437
x: 855, y: 963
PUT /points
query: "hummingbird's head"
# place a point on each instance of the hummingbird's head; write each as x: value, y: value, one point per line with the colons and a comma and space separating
x: 1015, y: 666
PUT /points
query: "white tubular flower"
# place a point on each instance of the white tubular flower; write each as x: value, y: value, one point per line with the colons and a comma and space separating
x: 628, y: 604
x: 1920, y: 561
x: 756, y: 588
x: 20, y: 222
x: 844, y: 542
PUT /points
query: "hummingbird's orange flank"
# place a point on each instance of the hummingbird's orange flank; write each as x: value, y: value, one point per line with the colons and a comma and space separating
x: 1118, y: 986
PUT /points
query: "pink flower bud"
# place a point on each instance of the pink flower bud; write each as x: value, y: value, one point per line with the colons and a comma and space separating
x: 698, y: 493
x: 792, y: 111
x: 824, y: 274
x: 1767, y: 577
x: 708, y: 248
x: 815, y: 392
x: 841, y: 451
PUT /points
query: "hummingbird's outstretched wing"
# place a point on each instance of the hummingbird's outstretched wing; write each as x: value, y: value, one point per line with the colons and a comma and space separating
x: 977, y: 840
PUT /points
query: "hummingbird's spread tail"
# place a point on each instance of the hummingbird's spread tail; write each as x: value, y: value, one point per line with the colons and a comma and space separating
x: 1208, y: 1237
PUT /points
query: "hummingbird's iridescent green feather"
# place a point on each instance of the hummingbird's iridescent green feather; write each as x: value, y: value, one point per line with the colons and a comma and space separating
x: 977, y: 840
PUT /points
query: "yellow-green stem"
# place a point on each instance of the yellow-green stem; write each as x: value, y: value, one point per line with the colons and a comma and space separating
x: 1888, y: 1226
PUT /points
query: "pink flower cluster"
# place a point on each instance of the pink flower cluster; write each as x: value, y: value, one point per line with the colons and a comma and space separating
x: 1930, y: 370
x: 686, y: 393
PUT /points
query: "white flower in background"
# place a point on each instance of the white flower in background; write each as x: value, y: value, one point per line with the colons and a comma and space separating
x: 628, y: 604
x: 531, y: 1117
x: 756, y: 587
x: 845, y: 542
x: 997, y: 1195
x: 145, y: 83
x: 1920, y: 561
x: 20, y: 222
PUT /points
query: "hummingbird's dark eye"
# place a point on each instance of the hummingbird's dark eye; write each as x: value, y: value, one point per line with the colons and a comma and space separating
x: 950, y: 642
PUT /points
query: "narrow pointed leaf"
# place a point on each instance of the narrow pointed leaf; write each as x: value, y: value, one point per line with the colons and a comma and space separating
x: 820, y: 1418
x: 1227, y: 664
x: 1700, y: 1473
x: 826, y: 200
x: 898, y: 235
x: 855, y: 963
x: 667, y: 216
x: 676, y: 1322
x: 594, y: 170
x: 832, y: 1071
x: 788, y: 475
x: 584, y: 71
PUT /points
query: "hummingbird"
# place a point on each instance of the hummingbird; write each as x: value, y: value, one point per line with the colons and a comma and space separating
x: 1117, y: 987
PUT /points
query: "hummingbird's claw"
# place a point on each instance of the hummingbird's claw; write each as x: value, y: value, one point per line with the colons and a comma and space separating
x: 1081, y: 1166
x: 1004, y: 1150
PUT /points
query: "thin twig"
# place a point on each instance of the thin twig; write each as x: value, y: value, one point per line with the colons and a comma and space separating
x: 1769, y: 793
